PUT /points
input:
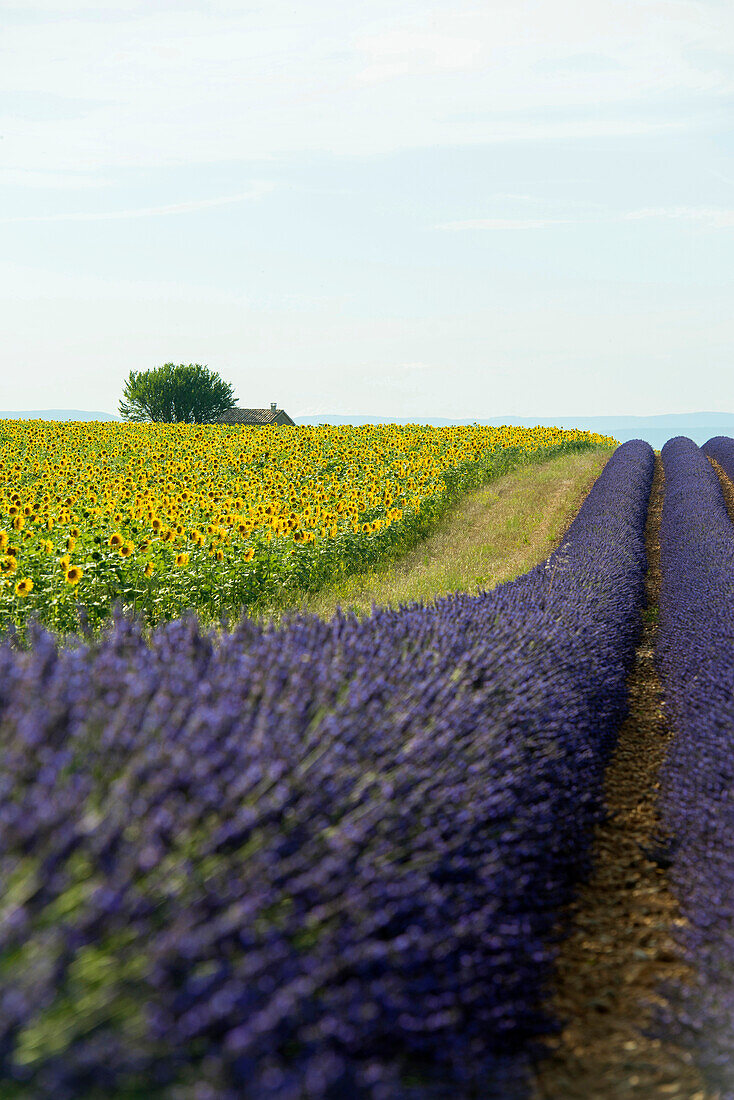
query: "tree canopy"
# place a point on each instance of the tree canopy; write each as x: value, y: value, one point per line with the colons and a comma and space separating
x: 176, y: 393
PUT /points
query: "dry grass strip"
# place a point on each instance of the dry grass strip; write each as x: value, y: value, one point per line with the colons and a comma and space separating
x: 610, y: 969
x: 491, y: 536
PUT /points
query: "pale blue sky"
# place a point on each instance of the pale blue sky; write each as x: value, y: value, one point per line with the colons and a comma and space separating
x: 393, y: 208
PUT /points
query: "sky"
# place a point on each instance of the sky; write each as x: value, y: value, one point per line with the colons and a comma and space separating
x: 410, y: 209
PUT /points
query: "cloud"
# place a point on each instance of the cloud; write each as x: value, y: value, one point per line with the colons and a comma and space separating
x: 158, y: 84
x: 144, y: 212
x: 55, y: 181
x: 411, y: 52
x: 713, y: 217
x: 506, y: 223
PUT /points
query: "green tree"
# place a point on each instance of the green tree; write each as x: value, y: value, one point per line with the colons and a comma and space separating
x: 176, y: 394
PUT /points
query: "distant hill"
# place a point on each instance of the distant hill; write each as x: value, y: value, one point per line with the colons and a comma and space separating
x: 56, y: 414
x: 655, y: 429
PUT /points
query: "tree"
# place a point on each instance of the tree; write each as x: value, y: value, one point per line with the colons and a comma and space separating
x: 176, y: 394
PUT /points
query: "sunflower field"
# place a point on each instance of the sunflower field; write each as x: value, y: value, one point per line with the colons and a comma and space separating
x: 158, y: 519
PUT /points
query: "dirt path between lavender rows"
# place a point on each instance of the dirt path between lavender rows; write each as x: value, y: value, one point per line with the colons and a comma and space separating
x: 727, y: 488
x: 621, y: 949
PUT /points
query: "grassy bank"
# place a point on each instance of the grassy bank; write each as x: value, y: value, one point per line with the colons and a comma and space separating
x: 491, y: 535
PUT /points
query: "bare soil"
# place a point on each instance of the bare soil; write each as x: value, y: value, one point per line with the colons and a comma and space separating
x: 621, y: 949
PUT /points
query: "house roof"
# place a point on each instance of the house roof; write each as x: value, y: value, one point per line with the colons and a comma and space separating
x: 254, y: 416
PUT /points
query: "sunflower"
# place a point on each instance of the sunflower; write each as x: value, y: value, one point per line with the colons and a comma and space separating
x: 182, y: 559
x: 8, y: 564
x: 249, y: 554
x: 148, y: 571
x: 73, y: 574
x: 24, y: 586
x: 127, y: 549
x: 116, y: 540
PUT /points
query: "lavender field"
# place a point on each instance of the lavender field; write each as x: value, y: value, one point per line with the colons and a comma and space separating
x: 335, y: 859
x: 696, y: 655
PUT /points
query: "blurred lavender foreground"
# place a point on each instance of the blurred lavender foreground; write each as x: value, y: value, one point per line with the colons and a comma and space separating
x: 319, y: 861
x: 696, y: 657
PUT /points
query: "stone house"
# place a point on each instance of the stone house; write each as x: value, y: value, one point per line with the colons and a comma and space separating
x: 259, y: 417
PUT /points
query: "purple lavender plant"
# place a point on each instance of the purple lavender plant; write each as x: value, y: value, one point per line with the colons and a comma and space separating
x: 696, y: 659
x: 325, y: 860
x: 721, y: 448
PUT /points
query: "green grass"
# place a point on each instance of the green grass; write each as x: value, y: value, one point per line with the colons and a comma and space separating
x: 492, y: 535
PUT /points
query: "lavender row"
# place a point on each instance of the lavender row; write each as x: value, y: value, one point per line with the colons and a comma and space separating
x: 318, y: 861
x: 696, y: 659
x: 721, y: 449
